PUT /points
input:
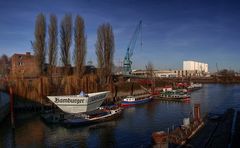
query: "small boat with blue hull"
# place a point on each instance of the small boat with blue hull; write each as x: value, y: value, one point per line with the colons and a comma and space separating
x: 135, y: 100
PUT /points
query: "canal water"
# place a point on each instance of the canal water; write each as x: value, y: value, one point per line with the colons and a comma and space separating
x: 133, y: 129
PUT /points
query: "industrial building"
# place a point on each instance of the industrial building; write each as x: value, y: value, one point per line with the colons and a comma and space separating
x: 190, y: 69
x: 195, y: 66
x: 157, y: 73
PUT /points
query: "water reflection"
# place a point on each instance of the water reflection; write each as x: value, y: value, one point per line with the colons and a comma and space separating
x: 133, y: 129
x: 7, y: 137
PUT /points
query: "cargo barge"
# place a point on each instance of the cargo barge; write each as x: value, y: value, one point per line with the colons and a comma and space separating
x: 135, y: 100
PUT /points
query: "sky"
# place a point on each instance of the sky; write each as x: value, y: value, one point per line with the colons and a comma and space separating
x: 172, y: 30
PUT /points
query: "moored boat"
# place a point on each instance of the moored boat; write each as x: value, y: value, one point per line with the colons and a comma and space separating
x: 134, y: 100
x: 174, y: 95
x: 101, y: 115
x: 194, y: 86
x: 79, y: 103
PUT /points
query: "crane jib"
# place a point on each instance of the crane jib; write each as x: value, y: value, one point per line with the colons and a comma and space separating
x: 127, y: 63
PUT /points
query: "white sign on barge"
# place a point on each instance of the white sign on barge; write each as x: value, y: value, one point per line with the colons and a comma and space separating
x: 79, y: 103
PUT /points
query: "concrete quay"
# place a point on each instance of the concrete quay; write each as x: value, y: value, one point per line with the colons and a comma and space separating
x: 221, y: 131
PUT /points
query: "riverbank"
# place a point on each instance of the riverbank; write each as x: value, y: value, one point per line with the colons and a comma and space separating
x: 205, y: 80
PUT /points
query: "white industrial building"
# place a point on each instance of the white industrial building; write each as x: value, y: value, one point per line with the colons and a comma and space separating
x: 195, y: 66
x: 190, y: 69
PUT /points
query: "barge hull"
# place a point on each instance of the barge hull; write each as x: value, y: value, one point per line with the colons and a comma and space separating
x: 126, y: 103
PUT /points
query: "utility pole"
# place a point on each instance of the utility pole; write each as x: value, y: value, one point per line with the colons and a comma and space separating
x: 217, y: 67
x: 12, y: 106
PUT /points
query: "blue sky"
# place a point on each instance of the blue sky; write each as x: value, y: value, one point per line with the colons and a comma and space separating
x: 173, y: 30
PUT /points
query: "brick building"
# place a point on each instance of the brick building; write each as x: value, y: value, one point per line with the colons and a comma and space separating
x: 24, y: 65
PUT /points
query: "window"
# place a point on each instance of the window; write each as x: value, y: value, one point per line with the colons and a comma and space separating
x: 20, y: 64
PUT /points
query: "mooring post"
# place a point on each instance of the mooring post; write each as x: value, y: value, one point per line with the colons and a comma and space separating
x: 87, y: 84
x: 116, y: 93
x: 197, y: 113
x: 41, y: 87
x: 41, y: 93
x: 131, y: 90
x: 12, y: 107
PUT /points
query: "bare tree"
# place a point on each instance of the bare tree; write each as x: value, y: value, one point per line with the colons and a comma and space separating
x: 66, y: 36
x: 52, y: 42
x: 105, y: 50
x: 80, y: 45
x: 4, y: 65
x: 150, y: 70
x: 151, y: 75
x: 39, y: 45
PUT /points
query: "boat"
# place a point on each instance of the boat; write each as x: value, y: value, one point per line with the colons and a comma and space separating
x: 194, y: 86
x: 102, y: 114
x: 134, y: 100
x: 99, y: 115
x: 4, y: 105
x: 181, y: 134
x: 54, y: 117
x: 79, y: 103
x: 174, y: 95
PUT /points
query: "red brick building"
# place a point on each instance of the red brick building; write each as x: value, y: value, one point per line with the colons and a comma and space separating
x: 23, y: 65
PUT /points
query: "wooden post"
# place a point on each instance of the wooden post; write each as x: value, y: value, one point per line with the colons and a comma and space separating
x: 153, y: 85
x: 131, y: 90
x: 116, y: 93
x: 41, y: 87
x: 87, y: 84
x: 12, y: 107
x: 197, y: 113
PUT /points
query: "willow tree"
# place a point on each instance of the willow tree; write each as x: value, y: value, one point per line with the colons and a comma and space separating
x: 52, y: 42
x: 80, y: 45
x: 105, y: 51
x: 66, y: 36
x: 39, y: 44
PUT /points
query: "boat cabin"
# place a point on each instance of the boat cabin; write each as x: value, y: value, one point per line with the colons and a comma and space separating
x: 130, y: 99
